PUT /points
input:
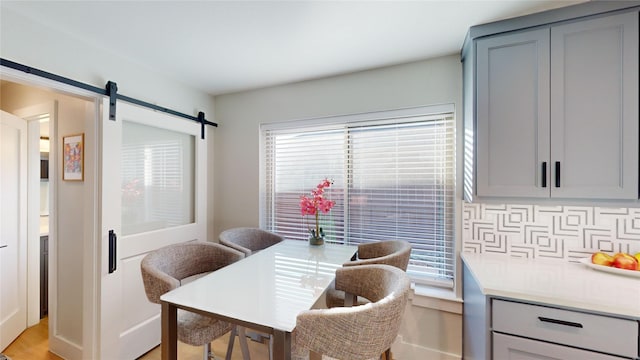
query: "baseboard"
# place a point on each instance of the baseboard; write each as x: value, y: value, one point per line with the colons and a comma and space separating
x: 65, y: 348
x: 405, y: 351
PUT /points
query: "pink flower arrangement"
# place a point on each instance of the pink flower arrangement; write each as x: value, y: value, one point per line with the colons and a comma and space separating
x: 131, y: 190
x: 316, y: 203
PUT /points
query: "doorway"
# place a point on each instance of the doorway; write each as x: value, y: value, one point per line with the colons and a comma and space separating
x: 57, y: 275
x: 41, y: 120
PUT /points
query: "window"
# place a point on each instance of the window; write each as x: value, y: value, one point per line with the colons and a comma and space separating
x: 157, y: 178
x: 393, y: 178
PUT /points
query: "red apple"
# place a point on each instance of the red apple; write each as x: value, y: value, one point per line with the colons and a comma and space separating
x: 600, y: 258
x: 625, y: 261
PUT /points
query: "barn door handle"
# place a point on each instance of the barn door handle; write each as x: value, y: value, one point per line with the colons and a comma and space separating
x: 113, y: 258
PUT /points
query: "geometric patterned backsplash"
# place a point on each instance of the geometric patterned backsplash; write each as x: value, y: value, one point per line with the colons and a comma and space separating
x: 553, y: 232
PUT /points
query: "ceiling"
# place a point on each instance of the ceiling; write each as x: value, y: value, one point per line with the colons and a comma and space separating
x: 228, y: 46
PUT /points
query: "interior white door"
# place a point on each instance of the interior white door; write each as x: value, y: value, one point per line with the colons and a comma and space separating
x: 153, y: 191
x: 13, y: 227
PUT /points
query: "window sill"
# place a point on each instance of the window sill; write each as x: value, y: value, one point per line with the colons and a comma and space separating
x: 436, y: 298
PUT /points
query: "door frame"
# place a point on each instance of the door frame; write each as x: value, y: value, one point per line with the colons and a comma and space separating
x: 91, y: 227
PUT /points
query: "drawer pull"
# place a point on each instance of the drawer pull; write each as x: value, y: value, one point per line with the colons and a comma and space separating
x: 560, y: 322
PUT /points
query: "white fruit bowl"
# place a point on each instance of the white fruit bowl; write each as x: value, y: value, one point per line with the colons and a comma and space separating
x: 609, y: 269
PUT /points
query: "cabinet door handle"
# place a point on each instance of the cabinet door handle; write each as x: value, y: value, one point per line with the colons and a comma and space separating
x: 544, y: 174
x: 560, y: 322
x: 3, y: 246
x: 557, y: 173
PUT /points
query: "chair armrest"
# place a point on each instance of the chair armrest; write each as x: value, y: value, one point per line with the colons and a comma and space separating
x: 369, y: 281
x: 235, y: 246
x: 228, y: 255
x: 157, y: 283
x: 397, y: 252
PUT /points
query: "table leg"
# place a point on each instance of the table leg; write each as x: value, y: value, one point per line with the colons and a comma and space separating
x: 281, y: 345
x: 169, y: 315
x: 350, y: 300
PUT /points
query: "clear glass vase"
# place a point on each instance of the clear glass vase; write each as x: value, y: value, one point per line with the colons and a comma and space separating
x: 316, y: 237
x: 316, y: 240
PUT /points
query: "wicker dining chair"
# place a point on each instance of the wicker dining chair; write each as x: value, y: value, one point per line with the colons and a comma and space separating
x: 392, y: 252
x: 358, y: 332
x: 249, y: 240
x: 169, y: 267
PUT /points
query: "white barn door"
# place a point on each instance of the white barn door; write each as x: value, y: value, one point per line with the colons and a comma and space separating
x: 153, y: 194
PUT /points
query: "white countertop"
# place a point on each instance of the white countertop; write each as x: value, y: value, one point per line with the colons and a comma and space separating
x: 555, y: 282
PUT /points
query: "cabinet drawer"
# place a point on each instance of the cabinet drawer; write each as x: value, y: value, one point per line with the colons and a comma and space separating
x: 587, y: 331
x: 507, y: 347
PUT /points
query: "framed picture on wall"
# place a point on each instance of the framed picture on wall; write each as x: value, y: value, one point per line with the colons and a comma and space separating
x: 73, y: 157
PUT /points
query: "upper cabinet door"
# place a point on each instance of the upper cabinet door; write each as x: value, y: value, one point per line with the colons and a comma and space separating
x: 513, y: 114
x: 594, y: 108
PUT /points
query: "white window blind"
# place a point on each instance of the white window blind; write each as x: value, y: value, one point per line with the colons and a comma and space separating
x: 393, y: 178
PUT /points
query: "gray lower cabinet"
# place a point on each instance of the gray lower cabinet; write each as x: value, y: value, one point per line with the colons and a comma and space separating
x: 514, y: 329
x: 557, y: 110
x: 556, y: 331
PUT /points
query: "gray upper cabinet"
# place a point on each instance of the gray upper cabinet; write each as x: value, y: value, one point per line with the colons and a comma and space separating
x: 513, y: 113
x: 557, y: 110
x: 594, y: 108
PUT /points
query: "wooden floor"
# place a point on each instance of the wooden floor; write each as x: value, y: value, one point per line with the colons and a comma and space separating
x: 257, y: 350
x: 33, y: 344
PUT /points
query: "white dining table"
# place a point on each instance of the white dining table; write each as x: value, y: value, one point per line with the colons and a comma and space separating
x: 264, y: 292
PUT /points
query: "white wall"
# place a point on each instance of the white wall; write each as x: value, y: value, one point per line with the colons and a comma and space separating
x: 430, y: 82
x: 27, y: 42
x: 33, y: 44
x: 427, y: 333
